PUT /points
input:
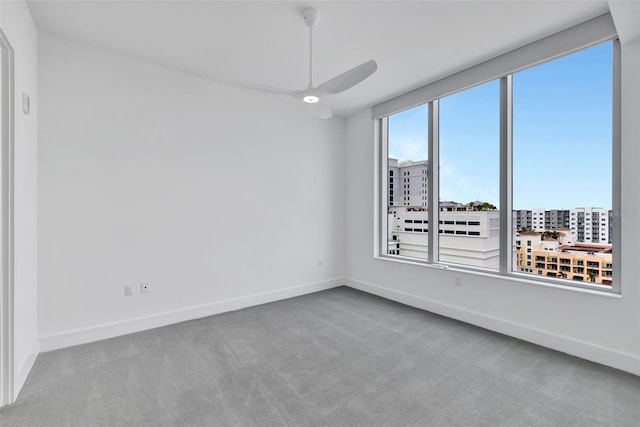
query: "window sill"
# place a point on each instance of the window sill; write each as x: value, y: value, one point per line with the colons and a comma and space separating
x: 511, y: 277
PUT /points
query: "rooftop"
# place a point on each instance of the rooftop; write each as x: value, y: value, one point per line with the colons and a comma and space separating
x: 587, y: 247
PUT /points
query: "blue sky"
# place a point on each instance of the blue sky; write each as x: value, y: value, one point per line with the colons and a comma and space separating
x: 561, y: 134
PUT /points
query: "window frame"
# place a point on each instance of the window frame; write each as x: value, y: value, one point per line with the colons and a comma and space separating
x: 502, y: 68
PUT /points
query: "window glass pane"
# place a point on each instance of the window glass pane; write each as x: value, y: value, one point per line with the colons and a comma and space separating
x: 470, y: 177
x: 407, y: 198
x: 562, y: 161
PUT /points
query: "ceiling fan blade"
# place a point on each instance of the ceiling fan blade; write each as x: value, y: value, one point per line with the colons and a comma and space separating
x: 320, y: 109
x: 349, y: 78
x: 268, y: 89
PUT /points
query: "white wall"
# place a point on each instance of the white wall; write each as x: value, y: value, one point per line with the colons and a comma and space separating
x: 605, y: 329
x: 18, y: 26
x: 219, y: 197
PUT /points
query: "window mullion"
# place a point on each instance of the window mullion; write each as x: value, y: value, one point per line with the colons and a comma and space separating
x: 616, y: 154
x: 433, y: 176
x: 383, y: 194
x: 506, y: 169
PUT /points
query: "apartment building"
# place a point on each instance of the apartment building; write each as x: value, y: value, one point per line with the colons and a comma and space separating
x: 559, y: 257
x: 408, y: 183
x: 587, y: 224
x: 522, y: 218
x: 581, y: 262
x: 590, y: 225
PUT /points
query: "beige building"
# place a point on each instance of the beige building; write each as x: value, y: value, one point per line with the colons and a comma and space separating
x: 561, y: 258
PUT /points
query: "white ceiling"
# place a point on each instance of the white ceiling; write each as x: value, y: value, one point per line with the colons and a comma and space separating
x: 413, y: 42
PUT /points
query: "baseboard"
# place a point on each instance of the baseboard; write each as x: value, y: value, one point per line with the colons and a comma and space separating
x: 24, y: 368
x: 623, y: 361
x: 83, y: 336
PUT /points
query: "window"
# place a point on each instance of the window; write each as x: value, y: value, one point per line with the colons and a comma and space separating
x: 480, y: 146
x: 563, y: 108
x: 469, y: 170
x: 406, y: 151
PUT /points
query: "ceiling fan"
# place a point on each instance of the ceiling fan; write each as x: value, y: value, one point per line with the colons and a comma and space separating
x: 314, y: 96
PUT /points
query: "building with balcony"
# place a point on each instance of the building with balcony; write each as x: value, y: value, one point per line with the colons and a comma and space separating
x: 557, y: 258
x: 587, y: 224
x: 590, y: 225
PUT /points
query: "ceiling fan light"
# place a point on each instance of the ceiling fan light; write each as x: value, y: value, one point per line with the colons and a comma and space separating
x: 311, y: 99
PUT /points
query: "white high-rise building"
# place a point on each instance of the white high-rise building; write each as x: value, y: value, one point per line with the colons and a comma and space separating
x: 537, y: 219
x: 543, y: 219
x: 408, y: 183
x: 590, y: 225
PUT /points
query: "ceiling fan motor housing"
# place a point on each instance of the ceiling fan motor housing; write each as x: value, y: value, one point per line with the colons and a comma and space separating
x: 310, y: 16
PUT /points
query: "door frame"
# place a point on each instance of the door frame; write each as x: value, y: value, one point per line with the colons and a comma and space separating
x: 7, y: 107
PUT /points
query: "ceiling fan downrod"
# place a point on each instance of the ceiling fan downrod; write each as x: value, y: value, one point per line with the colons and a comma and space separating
x: 310, y: 16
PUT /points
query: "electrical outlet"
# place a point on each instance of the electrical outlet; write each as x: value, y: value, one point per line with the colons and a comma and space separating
x: 457, y: 282
x: 145, y: 288
x: 128, y: 290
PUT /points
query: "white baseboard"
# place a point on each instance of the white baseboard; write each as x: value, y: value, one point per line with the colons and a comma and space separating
x: 623, y: 361
x: 24, y: 367
x: 584, y: 350
x: 82, y: 336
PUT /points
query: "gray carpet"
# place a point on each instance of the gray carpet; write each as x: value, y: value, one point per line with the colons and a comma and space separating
x: 335, y: 358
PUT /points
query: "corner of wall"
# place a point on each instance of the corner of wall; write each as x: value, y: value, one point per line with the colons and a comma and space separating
x: 24, y: 368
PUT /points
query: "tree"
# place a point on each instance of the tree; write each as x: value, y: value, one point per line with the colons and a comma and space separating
x: 484, y: 206
x: 592, y: 275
